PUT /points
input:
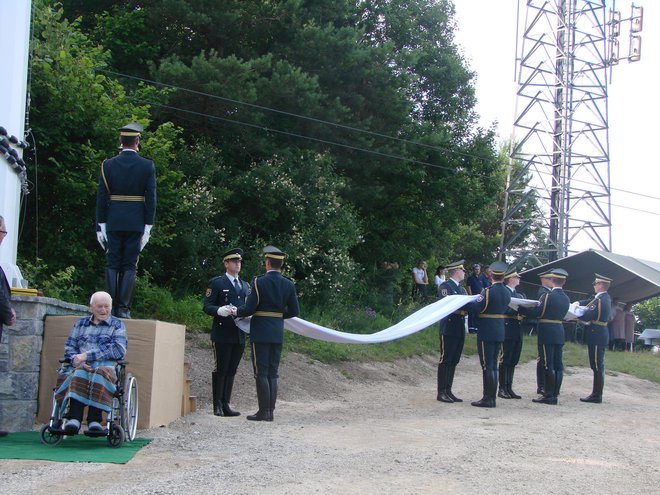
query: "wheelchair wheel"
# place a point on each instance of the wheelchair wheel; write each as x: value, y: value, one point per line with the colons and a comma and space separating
x: 129, y: 409
x: 116, y: 436
x: 48, y: 438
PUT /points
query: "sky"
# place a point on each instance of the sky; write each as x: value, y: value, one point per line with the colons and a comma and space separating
x: 487, y: 35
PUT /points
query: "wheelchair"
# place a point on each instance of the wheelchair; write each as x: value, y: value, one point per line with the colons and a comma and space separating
x: 121, y: 421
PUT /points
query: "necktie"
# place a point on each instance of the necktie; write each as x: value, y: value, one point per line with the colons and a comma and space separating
x: 237, y: 285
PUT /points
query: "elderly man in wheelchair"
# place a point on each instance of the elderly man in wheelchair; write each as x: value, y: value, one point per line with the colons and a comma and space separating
x: 92, y: 375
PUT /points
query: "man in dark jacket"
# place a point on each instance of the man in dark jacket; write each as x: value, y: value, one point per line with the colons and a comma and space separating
x: 552, y: 309
x: 597, y: 314
x: 490, y: 309
x: 227, y: 339
x: 513, y: 340
x: 452, y: 333
x: 271, y: 300
x: 125, y: 213
x: 7, y: 313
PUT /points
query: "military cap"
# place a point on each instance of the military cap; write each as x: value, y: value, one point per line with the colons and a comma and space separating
x: 455, y: 265
x: 558, y: 273
x: 602, y: 279
x: 131, y: 129
x: 273, y: 252
x: 512, y: 272
x: 545, y: 274
x: 499, y: 268
x: 476, y: 265
x: 232, y: 254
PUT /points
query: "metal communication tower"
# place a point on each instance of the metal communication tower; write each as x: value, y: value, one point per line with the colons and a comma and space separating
x: 559, y: 160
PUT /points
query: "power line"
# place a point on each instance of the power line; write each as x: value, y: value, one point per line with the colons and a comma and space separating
x: 290, y: 114
x: 271, y: 129
x: 334, y: 124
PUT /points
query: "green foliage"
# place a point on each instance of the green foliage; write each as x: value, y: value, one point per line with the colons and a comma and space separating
x: 648, y: 313
x: 59, y: 285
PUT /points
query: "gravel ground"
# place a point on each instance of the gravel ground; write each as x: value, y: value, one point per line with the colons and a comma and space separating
x: 377, y: 428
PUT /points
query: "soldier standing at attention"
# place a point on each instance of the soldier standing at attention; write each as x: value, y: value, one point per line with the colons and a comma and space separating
x: 513, y: 340
x: 552, y: 309
x: 490, y: 308
x: 272, y: 299
x: 546, y: 287
x: 227, y: 339
x: 452, y: 333
x: 597, y: 313
x: 125, y: 213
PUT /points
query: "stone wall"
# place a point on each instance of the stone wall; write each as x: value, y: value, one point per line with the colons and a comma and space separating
x: 20, y: 358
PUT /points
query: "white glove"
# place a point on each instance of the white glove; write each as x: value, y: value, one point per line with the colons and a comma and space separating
x: 102, y: 236
x: 145, y: 236
x: 224, y: 310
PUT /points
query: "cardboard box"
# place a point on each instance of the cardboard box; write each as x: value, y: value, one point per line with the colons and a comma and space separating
x: 155, y: 355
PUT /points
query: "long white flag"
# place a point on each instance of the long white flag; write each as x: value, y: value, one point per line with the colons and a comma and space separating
x: 417, y: 321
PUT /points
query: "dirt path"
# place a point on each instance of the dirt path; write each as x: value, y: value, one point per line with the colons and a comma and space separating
x: 377, y: 428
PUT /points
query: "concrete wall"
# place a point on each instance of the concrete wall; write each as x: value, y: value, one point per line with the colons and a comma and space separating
x: 20, y: 358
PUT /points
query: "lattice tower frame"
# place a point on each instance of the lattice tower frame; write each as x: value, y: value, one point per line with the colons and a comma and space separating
x: 561, y: 142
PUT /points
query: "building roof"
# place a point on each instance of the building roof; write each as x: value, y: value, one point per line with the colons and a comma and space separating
x: 633, y: 280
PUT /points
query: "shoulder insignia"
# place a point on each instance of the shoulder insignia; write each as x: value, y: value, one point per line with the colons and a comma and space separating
x: 444, y: 292
x: 208, y: 292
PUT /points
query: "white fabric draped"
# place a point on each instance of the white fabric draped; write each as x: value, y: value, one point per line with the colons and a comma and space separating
x: 417, y: 321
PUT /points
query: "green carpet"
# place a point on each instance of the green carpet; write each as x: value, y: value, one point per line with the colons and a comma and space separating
x: 79, y: 448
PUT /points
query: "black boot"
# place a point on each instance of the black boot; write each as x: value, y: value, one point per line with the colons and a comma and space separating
x: 503, y: 391
x: 450, y: 384
x: 126, y: 286
x: 226, y: 397
x: 490, y: 389
x: 548, y: 396
x: 540, y: 375
x: 217, y: 386
x: 443, y: 380
x: 263, y: 397
x: 111, y: 279
x: 509, y: 383
x: 273, y: 397
x: 596, y: 396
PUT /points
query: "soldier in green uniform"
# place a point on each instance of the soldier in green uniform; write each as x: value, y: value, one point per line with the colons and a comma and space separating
x: 272, y: 299
x: 597, y: 314
x: 452, y: 333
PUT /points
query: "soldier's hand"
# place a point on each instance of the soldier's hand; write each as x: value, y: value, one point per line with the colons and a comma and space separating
x: 224, y: 311
x: 145, y: 236
x: 102, y: 236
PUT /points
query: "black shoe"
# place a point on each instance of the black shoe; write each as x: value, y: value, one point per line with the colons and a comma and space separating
x: 228, y: 411
x: 546, y: 400
x: 485, y: 402
x: 504, y: 394
x: 444, y: 397
x: 453, y: 397
x: 218, y: 409
x: 513, y: 395
x: 3, y: 433
x: 260, y: 416
x: 72, y: 427
x: 594, y: 399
